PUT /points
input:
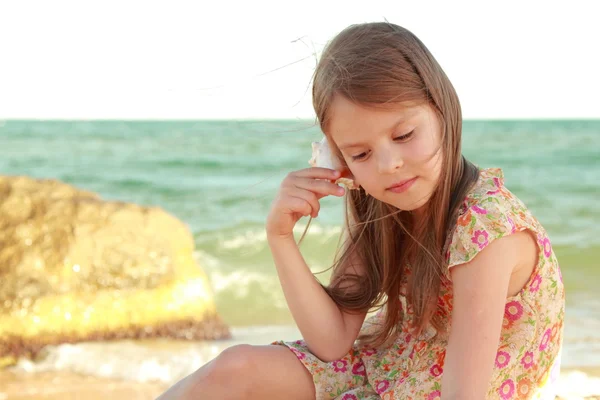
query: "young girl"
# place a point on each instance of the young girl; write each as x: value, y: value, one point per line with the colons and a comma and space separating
x: 467, y: 289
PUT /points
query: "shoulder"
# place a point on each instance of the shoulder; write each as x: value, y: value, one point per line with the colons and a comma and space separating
x: 489, y: 212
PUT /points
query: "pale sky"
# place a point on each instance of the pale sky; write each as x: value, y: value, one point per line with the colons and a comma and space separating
x: 211, y: 59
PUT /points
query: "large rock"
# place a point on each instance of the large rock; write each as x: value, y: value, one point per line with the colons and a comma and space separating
x: 76, y: 268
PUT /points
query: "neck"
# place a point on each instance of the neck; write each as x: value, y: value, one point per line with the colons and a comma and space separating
x: 418, y: 215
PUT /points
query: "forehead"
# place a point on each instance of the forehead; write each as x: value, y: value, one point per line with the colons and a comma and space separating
x: 349, y: 118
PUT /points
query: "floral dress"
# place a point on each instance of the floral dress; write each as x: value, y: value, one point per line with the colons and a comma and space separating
x: 528, y: 356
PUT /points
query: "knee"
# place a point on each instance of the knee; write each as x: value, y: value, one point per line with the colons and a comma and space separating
x: 236, y: 360
x: 234, y: 368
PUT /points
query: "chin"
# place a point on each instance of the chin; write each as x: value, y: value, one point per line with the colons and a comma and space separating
x: 412, y: 204
x: 412, y: 207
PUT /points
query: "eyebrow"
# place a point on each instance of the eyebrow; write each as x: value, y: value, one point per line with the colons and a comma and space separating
x: 393, y: 127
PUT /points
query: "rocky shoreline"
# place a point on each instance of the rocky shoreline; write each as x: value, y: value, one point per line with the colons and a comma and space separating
x: 77, y: 268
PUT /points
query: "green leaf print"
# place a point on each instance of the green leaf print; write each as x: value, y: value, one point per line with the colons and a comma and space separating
x: 473, y: 221
x: 342, y: 390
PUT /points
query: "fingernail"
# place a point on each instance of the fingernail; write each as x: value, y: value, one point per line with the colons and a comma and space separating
x: 341, y: 190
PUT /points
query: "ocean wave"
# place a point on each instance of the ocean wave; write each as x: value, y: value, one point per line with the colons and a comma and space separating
x: 256, y: 238
x: 153, y: 360
x: 253, y: 287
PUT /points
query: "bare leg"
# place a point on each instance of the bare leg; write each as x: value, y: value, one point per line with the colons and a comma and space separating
x: 247, y: 372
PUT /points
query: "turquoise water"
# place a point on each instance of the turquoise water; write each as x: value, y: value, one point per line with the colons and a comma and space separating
x: 221, y: 176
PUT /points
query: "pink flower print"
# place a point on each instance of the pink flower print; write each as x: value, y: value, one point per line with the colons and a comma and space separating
x: 349, y: 396
x: 497, y: 184
x: 513, y: 227
x: 502, y: 359
x: 535, y: 284
x: 435, y: 395
x: 381, y: 386
x: 527, y: 360
x: 507, y: 389
x: 480, y: 238
x: 298, y: 354
x: 340, y: 366
x: 545, y: 339
x: 560, y: 274
x: 436, y: 370
x: 359, y: 369
x: 412, y: 353
x: 479, y: 210
x: 513, y: 310
x: 546, y: 246
x: 369, y: 352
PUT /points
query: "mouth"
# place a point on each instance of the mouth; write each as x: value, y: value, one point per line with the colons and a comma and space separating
x: 402, y: 185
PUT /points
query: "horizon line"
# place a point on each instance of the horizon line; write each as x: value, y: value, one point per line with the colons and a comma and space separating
x: 253, y: 119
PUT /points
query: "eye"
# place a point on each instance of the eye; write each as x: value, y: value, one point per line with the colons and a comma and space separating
x: 405, y: 137
x: 360, y: 156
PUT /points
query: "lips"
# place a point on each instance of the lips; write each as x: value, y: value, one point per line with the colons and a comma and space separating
x: 401, y: 183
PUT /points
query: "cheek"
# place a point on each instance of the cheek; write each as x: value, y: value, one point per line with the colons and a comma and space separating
x: 361, y: 175
x: 434, y: 164
x: 358, y: 174
x: 422, y: 151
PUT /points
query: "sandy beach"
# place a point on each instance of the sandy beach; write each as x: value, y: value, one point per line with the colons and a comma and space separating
x: 72, y: 386
x: 134, y: 370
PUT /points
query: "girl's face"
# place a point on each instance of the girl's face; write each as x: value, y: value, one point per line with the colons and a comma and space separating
x: 394, y: 154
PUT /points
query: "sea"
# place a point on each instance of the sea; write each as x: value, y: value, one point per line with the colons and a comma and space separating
x: 220, y: 178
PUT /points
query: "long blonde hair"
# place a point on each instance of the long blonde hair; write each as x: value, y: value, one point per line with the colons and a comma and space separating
x: 381, y: 64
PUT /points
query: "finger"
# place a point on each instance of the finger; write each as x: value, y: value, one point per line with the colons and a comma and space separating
x: 319, y: 186
x: 309, y: 198
x: 318, y: 173
x: 301, y: 206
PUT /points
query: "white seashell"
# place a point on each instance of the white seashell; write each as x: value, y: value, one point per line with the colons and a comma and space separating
x: 323, y: 157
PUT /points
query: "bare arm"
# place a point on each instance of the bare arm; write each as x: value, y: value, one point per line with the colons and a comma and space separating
x: 329, y: 333
x: 480, y: 290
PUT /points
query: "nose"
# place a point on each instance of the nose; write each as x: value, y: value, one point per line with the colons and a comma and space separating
x: 389, y: 161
